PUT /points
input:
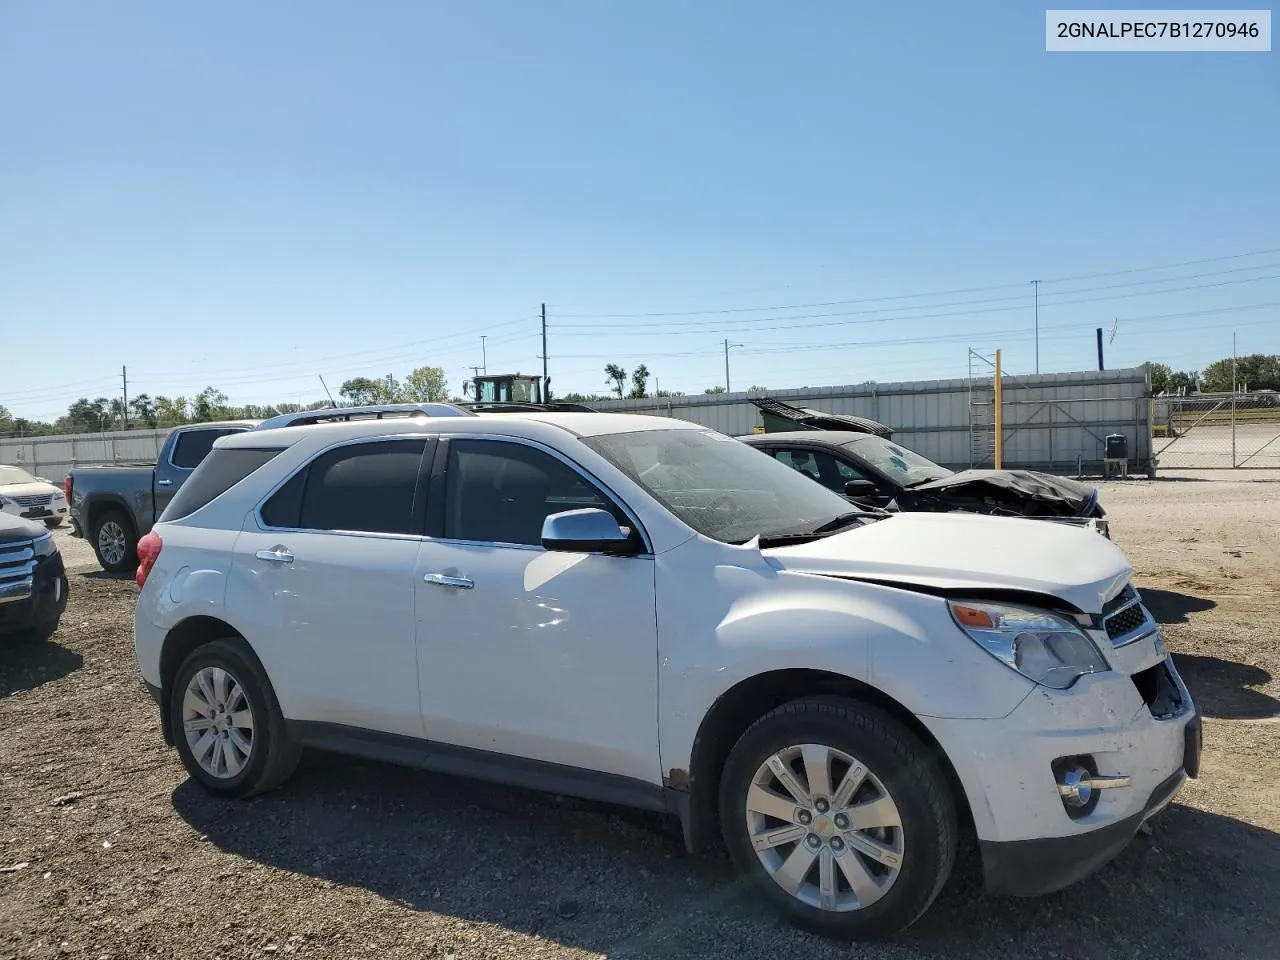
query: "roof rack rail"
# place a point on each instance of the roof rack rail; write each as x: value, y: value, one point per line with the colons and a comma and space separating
x: 527, y: 406
x: 378, y: 412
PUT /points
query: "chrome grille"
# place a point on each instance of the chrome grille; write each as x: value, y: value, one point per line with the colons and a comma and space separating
x: 33, y: 500
x: 17, y: 571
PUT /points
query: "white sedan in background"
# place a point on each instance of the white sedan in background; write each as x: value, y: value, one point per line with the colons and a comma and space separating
x: 32, y: 498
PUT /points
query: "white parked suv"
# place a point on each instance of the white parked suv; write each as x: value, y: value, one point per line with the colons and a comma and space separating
x: 643, y: 611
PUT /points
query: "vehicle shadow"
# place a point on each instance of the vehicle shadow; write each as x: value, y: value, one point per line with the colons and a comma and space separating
x: 600, y: 879
x: 1224, y: 688
x: 105, y: 575
x: 27, y: 664
x: 1170, y: 607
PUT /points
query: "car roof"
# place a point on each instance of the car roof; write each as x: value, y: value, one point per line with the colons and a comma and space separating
x: 530, y: 425
x: 836, y: 437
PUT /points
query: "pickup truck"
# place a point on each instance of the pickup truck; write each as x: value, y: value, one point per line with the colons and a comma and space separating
x: 115, y: 506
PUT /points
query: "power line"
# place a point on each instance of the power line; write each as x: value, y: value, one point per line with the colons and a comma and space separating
x: 908, y: 296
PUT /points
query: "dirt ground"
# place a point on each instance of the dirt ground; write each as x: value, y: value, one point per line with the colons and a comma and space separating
x: 109, y: 852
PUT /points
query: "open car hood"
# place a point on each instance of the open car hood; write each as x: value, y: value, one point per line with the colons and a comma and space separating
x: 954, y: 552
x: 1078, y: 498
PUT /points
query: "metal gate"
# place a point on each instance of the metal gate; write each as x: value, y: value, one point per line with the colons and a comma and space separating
x: 1217, y: 431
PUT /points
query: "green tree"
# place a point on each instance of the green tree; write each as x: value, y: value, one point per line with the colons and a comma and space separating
x: 368, y: 392
x: 639, y: 383
x: 425, y: 385
x: 617, y: 376
x: 715, y: 389
x: 210, y: 404
x: 143, y: 410
x: 1258, y: 371
x: 1160, y: 375
x: 1183, y: 382
x: 85, y: 416
x: 172, y: 413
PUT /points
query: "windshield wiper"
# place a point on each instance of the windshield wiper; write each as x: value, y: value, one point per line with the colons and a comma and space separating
x: 844, y: 520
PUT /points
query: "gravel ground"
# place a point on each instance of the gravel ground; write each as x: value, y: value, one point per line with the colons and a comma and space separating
x: 108, y: 851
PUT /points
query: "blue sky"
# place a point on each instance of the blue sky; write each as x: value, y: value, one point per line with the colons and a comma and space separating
x: 248, y: 195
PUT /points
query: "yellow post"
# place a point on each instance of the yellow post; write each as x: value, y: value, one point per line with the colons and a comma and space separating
x: 999, y: 414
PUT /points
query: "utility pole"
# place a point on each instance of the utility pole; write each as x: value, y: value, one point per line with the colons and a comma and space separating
x: 1233, y: 399
x: 727, y: 345
x: 1036, y: 285
x: 546, y: 394
x: 484, y: 356
x: 124, y: 409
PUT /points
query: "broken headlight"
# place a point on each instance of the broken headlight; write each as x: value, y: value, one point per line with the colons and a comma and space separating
x: 1045, y: 648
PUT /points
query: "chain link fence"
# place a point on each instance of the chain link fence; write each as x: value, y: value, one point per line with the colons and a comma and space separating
x: 1217, y: 431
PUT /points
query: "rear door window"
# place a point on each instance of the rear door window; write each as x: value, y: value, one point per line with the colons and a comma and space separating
x: 363, y: 487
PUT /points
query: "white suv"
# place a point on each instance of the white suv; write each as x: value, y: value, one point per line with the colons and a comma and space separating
x: 643, y: 611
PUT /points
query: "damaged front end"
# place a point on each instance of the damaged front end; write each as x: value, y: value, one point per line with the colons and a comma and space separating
x: 1011, y: 493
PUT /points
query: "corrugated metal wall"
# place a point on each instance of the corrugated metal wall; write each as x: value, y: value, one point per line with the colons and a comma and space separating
x: 52, y: 457
x: 1052, y: 421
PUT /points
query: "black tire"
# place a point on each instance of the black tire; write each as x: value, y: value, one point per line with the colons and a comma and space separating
x: 910, y: 775
x: 53, y: 524
x: 273, y: 756
x: 129, y: 562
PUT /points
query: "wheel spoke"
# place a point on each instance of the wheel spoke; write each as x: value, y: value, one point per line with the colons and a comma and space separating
x: 778, y: 836
x: 768, y: 802
x: 242, y: 744
x: 880, y: 812
x: 849, y: 785
x: 880, y: 852
x: 206, y: 688
x: 197, y: 724
x: 792, y: 873
x: 817, y: 769
x: 827, y: 879
x: 231, y: 757
x: 855, y: 871
x: 221, y: 686
x: 194, y: 702
x: 202, y: 746
x: 235, y: 695
x: 788, y: 780
x: 242, y: 720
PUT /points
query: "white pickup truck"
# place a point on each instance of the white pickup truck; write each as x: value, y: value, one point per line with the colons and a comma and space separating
x: 644, y: 611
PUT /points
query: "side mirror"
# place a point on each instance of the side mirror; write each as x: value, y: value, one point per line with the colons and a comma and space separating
x: 859, y: 488
x: 585, y: 531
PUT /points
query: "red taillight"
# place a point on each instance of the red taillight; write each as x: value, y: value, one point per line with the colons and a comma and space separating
x: 66, y: 487
x: 148, y: 552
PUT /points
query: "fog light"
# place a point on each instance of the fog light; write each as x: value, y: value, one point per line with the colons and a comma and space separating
x: 1080, y: 785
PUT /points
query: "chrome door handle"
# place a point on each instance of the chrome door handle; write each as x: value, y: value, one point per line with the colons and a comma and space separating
x: 440, y: 580
x: 276, y: 555
x: 164, y: 483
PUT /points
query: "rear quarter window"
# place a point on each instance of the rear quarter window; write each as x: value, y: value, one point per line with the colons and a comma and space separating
x: 192, y: 446
x: 219, y: 472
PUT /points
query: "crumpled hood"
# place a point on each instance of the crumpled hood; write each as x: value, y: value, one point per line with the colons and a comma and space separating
x: 1023, y: 483
x: 958, y: 551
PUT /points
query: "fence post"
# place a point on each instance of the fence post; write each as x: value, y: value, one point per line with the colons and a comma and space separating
x: 998, y: 398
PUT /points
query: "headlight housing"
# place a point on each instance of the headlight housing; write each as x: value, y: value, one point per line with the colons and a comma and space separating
x: 44, y: 546
x: 1045, y: 648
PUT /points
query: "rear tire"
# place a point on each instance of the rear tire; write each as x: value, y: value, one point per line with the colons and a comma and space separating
x: 863, y: 855
x: 227, y: 723
x: 115, y: 541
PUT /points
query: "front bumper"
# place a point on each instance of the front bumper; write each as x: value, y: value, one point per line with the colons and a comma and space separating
x: 54, y: 510
x: 1142, y: 726
x: 40, y: 607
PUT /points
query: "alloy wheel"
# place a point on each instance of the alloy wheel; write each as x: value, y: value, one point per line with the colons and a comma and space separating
x: 217, y: 721
x: 824, y: 827
x: 112, y: 543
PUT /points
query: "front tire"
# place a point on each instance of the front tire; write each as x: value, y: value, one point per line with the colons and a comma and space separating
x: 840, y: 816
x: 227, y: 723
x: 53, y: 524
x: 115, y: 542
